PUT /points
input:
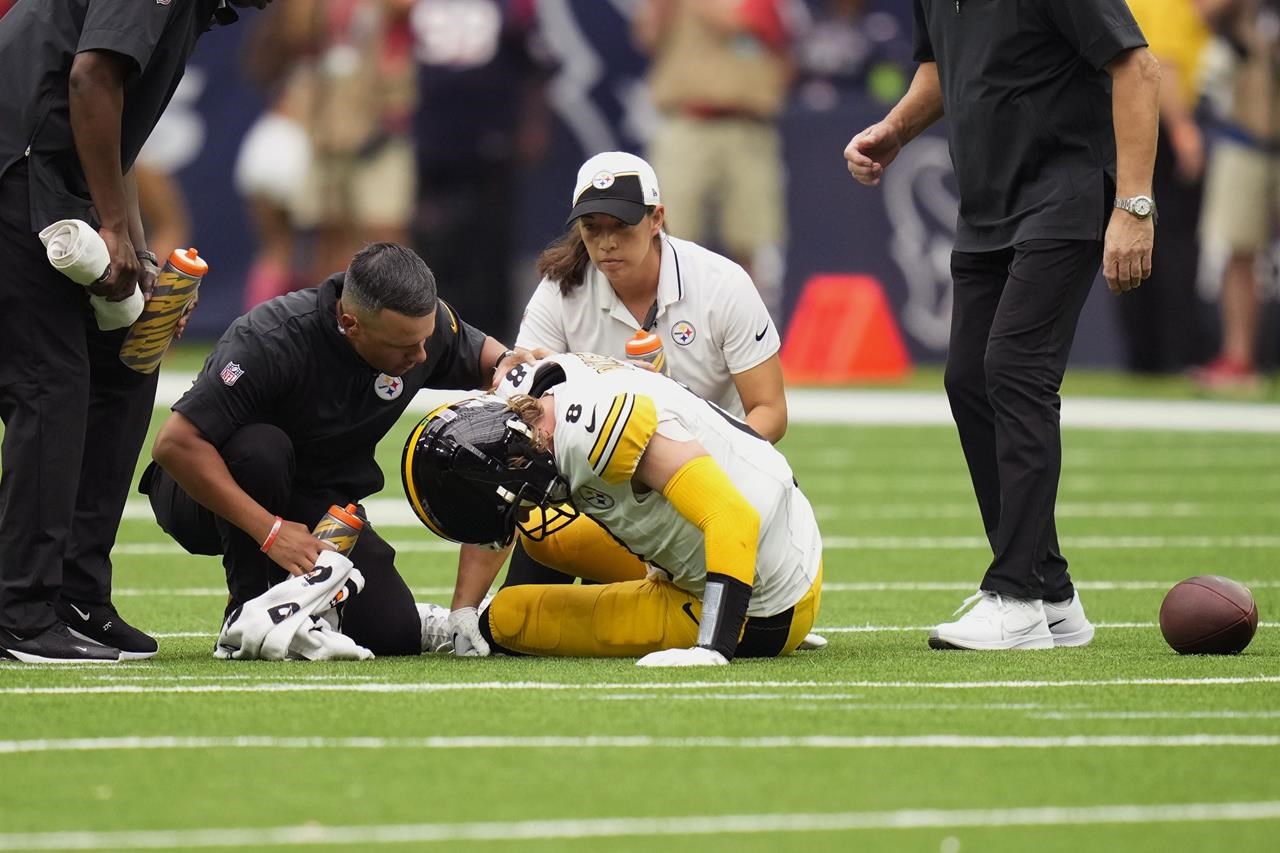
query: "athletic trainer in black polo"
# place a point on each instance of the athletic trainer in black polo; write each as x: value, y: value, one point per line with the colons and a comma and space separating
x: 84, y: 82
x: 1029, y: 89
x: 283, y: 420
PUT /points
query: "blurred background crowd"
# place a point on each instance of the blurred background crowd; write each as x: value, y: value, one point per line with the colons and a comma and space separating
x: 456, y: 126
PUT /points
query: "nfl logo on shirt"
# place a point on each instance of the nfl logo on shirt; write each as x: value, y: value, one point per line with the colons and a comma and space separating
x: 232, y: 371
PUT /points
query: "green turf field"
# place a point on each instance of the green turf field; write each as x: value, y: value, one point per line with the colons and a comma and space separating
x: 876, y: 743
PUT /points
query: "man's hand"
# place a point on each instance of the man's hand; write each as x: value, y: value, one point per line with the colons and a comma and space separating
x: 468, y: 642
x: 295, y: 550
x: 148, y: 273
x: 186, y: 316
x: 869, y: 153
x: 125, y: 266
x: 696, y: 656
x: 514, y: 357
x: 1126, y: 254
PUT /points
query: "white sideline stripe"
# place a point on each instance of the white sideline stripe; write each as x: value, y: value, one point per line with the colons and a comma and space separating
x: 1155, y: 715
x: 875, y: 629
x: 420, y: 687
x: 853, y: 586
x: 930, y: 408
x: 642, y: 827
x: 937, y: 741
x: 857, y: 543
x: 175, y: 635
x: 395, y: 512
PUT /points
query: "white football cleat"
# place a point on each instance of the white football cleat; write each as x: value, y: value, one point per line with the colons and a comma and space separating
x: 812, y: 641
x: 436, y: 636
x: 995, y: 622
x: 1067, y: 622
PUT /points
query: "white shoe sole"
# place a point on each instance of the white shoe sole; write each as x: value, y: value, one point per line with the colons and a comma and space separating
x: 1032, y: 643
x: 812, y: 642
x: 1083, y: 637
x: 24, y: 657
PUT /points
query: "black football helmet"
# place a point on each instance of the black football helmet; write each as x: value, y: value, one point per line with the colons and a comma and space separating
x: 472, y: 474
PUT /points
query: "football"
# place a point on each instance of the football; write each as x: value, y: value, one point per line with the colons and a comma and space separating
x: 1208, y: 615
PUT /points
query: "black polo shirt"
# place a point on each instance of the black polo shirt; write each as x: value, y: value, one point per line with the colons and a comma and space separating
x: 39, y: 40
x: 285, y: 363
x: 1028, y: 111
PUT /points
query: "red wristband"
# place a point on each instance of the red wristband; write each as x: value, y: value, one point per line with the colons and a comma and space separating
x: 271, y: 537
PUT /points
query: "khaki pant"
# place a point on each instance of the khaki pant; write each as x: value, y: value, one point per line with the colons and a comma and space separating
x: 373, y: 192
x: 731, y: 165
x: 1241, y: 197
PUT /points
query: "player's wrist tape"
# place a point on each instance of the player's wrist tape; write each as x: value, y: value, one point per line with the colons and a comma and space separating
x: 271, y: 537
x: 724, y: 612
x: 148, y: 256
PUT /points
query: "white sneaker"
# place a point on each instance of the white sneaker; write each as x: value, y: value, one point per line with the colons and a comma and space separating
x: 995, y: 622
x: 435, y: 628
x: 812, y: 641
x: 1067, y: 622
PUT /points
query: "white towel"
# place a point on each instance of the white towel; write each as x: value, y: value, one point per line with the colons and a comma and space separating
x: 77, y: 251
x: 294, y: 619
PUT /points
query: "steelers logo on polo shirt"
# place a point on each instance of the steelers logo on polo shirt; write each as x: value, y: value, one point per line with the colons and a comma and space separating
x: 388, y: 387
x: 683, y: 333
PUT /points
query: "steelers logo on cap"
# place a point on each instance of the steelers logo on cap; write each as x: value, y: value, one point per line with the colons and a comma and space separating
x: 602, y: 180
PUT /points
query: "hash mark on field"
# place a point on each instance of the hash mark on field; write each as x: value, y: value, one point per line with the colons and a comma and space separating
x: 639, y: 827
x: 937, y: 741
x: 492, y: 686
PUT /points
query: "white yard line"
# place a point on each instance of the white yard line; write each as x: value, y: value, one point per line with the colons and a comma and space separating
x: 859, y: 543
x: 886, y: 629
x: 1155, y: 715
x: 285, y: 686
x: 930, y: 408
x: 640, y: 827
x: 846, y: 742
x: 829, y: 587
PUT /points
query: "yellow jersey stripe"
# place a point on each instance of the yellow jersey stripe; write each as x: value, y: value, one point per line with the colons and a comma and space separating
x: 631, y: 438
x: 606, y: 429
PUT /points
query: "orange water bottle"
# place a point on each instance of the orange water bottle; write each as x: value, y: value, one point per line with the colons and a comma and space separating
x: 149, y: 337
x: 341, y: 526
x: 646, y: 346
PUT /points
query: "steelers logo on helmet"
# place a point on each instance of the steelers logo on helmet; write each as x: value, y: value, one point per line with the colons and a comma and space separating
x: 602, y: 180
x: 473, y: 473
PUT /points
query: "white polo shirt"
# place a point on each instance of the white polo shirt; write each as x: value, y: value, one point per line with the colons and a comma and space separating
x: 711, y: 319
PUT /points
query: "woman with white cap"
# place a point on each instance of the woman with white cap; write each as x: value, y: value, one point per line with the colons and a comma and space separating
x: 615, y: 272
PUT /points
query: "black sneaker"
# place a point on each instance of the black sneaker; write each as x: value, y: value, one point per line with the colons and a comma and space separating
x: 102, y: 624
x: 56, y: 644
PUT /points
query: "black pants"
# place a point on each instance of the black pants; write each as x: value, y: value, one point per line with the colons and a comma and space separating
x: 1167, y: 328
x: 464, y: 229
x: 75, y: 419
x: 260, y: 457
x: 1014, y: 315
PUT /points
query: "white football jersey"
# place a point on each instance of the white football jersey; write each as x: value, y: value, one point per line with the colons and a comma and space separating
x: 606, y: 412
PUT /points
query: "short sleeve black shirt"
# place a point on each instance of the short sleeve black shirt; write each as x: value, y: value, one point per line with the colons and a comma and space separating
x: 285, y: 363
x: 1028, y: 108
x: 39, y: 40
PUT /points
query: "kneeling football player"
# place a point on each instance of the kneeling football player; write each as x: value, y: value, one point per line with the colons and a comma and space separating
x: 637, y: 477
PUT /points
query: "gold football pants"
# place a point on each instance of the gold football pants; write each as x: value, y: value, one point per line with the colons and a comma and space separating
x: 626, y: 615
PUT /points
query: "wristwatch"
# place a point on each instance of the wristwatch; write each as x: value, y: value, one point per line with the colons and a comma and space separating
x: 1140, y: 206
